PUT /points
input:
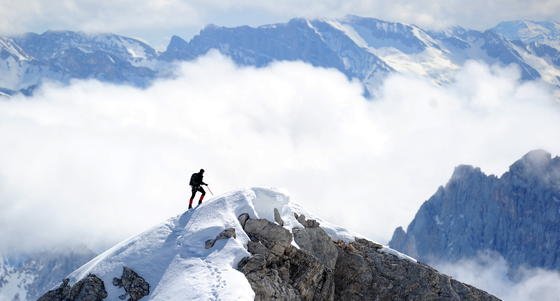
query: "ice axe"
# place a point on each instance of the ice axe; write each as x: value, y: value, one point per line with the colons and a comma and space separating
x: 209, y: 189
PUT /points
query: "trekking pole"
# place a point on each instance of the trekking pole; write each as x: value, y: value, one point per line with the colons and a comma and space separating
x: 209, y: 190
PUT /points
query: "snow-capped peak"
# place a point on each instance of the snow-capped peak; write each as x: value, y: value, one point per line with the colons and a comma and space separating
x: 8, y: 45
x: 380, y: 34
x: 529, y: 31
x: 172, y: 256
x: 55, y: 42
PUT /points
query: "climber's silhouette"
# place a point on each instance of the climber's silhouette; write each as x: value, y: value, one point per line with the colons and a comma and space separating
x: 196, y: 185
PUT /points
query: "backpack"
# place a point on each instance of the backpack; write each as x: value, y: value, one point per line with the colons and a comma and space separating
x: 192, y: 182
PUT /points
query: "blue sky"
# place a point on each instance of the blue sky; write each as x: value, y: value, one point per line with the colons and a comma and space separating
x: 156, y: 20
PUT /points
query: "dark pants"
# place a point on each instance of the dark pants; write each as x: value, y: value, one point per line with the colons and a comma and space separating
x: 194, y: 190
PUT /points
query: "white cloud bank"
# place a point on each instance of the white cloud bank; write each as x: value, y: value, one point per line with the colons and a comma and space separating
x: 491, y: 273
x: 93, y: 163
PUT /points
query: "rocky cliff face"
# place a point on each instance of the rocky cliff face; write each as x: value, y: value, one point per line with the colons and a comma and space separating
x: 322, y: 269
x: 515, y: 215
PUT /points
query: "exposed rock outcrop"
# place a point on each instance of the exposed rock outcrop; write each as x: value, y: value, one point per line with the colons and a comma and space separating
x: 307, y: 223
x: 135, y: 287
x: 278, y: 218
x: 91, y: 288
x: 227, y: 233
x: 316, y: 241
x: 272, y: 236
x: 243, y: 219
x: 364, y: 272
x: 279, y: 271
x: 325, y: 270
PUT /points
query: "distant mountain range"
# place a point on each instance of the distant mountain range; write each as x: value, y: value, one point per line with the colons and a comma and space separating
x: 364, y: 48
x: 516, y: 215
x: 28, y: 276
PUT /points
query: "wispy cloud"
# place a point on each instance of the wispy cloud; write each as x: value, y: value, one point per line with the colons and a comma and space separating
x: 490, y: 272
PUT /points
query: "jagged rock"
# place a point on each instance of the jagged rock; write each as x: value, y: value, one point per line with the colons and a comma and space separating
x: 363, y: 272
x: 317, y: 242
x: 61, y: 293
x: 273, y: 236
x: 91, y: 288
x: 515, y: 215
x: 243, y: 217
x: 399, y: 238
x: 227, y: 233
x: 134, y: 285
x: 368, y: 243
x: 300, y: 218
x: 279, y: 271
x: 278, y: 218
x: 311, y: 223
x: 327, y: 270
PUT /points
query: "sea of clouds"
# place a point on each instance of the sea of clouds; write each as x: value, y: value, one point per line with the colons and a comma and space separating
x: 92, y: 163
x: 95, y: 161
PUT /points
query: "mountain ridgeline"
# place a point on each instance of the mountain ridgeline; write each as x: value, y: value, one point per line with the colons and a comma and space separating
x: 363, y: 48
x: 255, y: 244
x: 516, y: 215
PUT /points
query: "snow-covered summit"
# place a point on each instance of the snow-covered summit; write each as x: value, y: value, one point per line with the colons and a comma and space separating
x: 51, y: 44
x: 254, y: 244
x: 529, y: 31
x: 173, y: 259
x: 378, y: 34
x: 172, y: 256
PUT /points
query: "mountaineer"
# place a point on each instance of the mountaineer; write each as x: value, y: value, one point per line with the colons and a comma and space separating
x: 196, y: 185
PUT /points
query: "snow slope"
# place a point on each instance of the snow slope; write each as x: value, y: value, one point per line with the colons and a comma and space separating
x: 12, y: 283
x: 172, y: 258
x: 530, y: 31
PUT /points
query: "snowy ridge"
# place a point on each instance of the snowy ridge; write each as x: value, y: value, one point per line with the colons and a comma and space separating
x: 529, y: 31
x: 8, y: 45
x: 363, y: 48
x: 173, y: 259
